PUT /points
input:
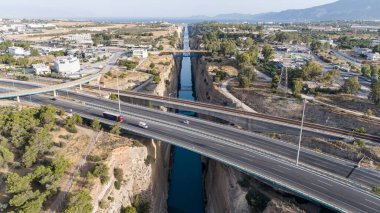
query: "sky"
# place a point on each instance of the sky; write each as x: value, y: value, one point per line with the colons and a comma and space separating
x: 144, y: 8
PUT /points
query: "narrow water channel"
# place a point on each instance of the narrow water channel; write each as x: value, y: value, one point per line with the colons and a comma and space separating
x: 186, y: 185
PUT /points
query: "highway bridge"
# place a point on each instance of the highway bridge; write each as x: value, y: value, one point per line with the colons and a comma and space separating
x: 184, y: 53
x: 335, y: 183
x: 245, y: 119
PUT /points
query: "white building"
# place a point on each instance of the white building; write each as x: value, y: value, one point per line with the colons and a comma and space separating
x: 140, y: 53
x: 80, y: 38
x: 41, y: 69
x: 66, y: 65
x: 17, y: 51
x: 330, y: 42
x: 373, y: 56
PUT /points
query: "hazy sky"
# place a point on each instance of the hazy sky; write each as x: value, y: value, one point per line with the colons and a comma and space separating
x: 145, y: 8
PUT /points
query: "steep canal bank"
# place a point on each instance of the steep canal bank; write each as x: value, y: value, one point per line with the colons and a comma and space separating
x: 186, y: 178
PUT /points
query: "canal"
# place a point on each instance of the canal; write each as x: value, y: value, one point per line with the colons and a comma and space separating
x: 186, y: 184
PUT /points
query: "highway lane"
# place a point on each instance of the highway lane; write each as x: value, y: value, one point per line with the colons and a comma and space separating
x: 312, y: 185
x: 332, y: 165
x: 321, y: 161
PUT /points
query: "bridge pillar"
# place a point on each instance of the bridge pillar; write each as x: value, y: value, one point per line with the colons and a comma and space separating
x: 80, y: 86
x: 55, y: 93
x: 18, y: 99
x: 155, y: 148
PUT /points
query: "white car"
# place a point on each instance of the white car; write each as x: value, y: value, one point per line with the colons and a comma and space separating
x: 186, y: 122
x: 143, y: 125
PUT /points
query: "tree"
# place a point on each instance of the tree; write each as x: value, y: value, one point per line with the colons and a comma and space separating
x: 246, y: 76
x: 228, y: 47
x: 101, y: 171
x: 60, y: 165
x: 275, y: 82
x: 377, y: 48
x: 17, y: 184
x: 160, y: 47
x: 79, y: 202
x: 316, y: 46
x: 113, y: 96
x: 244, y: 60
x: 129, y: 209
x: 34, y: 52
x: 6, y: 156
x: 96, y: 124
x: 249, y: 43
x: 244, y: 81
x: 374, y: 94
x: 351, y: 85
x: 297, y: 87
x: 330, y: 76
x: 115, y: 129
x: 366, y: 70
x: 268, y: 53
x: 311, y: 70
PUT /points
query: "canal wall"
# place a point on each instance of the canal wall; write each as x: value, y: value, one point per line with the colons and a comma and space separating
x: 222, y: 191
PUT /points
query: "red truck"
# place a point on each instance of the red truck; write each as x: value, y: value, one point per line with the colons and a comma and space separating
x: 113, y: 116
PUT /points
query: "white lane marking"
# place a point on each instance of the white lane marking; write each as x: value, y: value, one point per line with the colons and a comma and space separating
x: 283, y: 167
x: 319, y: 186
x: 376, y: 204
x: 324, y: 183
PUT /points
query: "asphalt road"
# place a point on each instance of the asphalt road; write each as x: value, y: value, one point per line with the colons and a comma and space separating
x: 344, y: 170
x: 304, y: 181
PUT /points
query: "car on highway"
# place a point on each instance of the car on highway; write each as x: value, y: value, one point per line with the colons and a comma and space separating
x: 143, y: 125
x: 186, y: 122
x: 53, y: 99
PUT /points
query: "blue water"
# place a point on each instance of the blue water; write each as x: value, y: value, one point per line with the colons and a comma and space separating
x: 186, y: 185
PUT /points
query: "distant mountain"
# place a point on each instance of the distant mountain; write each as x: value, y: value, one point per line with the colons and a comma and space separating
x: 339, y: 10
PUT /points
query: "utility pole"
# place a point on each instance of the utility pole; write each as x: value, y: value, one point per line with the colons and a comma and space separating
x: 300, y: 138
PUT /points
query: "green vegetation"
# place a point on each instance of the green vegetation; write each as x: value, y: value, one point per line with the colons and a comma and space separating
x: 79, y: 202
x: 268, y: 53
x: 360, y: 130
x: 57, y: 53
x: 297, y: 87
x: 27, y: 132
x: 246, y: 76
x: 115, y: 129
x: 71, y: 122
x: 100, y: 170
x: 351, y: 85
x: 10, y: 60
x: 257, y: 200
x: 374, y: 94
x: 359, y: 143
x: 96, y: 124
x: 376, y: 190
x: 128, y: 63
x: 113, y: 97
x: 149, y: 160
x: 311, y: 70
x: 346, y: 42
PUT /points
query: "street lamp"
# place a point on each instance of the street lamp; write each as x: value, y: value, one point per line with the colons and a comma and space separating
x: 118, y: 92
x: 300, y: 138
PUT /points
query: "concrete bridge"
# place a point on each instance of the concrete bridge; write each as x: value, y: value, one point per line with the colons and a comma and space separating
x: 184, y: 53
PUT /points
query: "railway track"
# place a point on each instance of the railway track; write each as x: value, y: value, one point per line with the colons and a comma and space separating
x: 319, y: 127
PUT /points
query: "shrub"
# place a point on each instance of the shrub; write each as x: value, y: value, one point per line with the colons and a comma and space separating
x: 117, y: 185
x: 149, y: 160
x: 113, y: 97
x: 137, y: 143
x: 376, y: 190
x: 257, y: 200
x: 359, y: 143
x: 118, y: 173
x: 94, y: 158
x: 360, y: 130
